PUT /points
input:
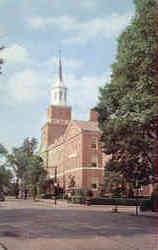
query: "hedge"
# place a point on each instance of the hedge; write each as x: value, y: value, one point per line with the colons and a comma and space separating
x: 111, y: 201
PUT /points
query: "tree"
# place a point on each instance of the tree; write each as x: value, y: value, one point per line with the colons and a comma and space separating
x: 128, y: 103
x: 1, y: 60
x: 27, y: 164
x: 3, y: 150
x: 113, y: 181
x: 5, y: 177
x: 5, y: 173
x: 19, y: 157
x: 35, y: 173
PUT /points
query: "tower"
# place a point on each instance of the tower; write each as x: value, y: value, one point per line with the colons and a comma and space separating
x: 58, y: 113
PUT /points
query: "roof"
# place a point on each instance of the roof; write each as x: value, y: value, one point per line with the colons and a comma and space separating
x: 82, y: 125
x: 88, y: 125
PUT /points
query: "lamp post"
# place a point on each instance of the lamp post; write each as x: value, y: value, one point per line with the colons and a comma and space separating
x: 137, y: 189
x: 55, y: 197
x: 55, y: 186
x: 54, y: 176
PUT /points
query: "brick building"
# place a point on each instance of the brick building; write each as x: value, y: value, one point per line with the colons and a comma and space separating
x: 69, y: 147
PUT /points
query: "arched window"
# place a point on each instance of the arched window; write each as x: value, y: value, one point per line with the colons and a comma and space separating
x: 60, y: 95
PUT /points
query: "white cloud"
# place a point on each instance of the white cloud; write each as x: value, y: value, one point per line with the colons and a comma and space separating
x: 106, y: 27
x: 100, y: 28
x: 88, y: 3
x: 25, y: 86
x: 67, y: 23
x: 85, y: 89
x: 29, y: 85
x: 15, y: 54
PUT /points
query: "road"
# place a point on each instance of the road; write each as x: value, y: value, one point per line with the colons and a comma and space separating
x: 28, y: 225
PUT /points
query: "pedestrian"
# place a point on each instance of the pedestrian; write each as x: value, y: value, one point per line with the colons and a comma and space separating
x: 2, y: 198
x: 34, y: 193
x: 17, y: 190
x: 130, y: 194
x: 17, y: 193
x: 25, y: 193
x: 154, y: 198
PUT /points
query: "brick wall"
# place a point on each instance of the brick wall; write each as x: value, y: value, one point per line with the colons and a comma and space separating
x: 59, y: 112
x: 73, y: 158
x: 93, y: 116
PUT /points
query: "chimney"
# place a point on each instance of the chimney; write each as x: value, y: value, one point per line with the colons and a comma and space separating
x: 93, y: 115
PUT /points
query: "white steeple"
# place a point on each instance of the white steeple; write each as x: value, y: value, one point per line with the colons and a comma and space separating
x: 59, y: 91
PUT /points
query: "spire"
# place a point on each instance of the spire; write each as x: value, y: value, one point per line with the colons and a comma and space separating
x: 60, y: 67
x: 59, y: 91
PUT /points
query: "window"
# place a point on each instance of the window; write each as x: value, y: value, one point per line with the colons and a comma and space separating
x: 95, y: 182
x: 94, y: 185
x: 60, y: 95
x: 94, y: 142
x: 94, y: 164
x: 94, y: 159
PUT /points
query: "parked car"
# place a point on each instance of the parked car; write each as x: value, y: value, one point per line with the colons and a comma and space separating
x: 2, y: 198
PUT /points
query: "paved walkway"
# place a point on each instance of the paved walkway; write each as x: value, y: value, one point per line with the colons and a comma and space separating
x: 28, y: 225
x: 131, y: 210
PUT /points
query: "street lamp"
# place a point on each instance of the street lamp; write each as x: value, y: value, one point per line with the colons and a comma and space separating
x: 55, y: 183
x: 137, y: 192
x: 55, y: 198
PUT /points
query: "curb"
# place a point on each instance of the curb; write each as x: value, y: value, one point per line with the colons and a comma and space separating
x: 59, y: 203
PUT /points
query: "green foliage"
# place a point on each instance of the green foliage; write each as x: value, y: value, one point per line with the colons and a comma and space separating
x: 35, y: 173
x: 3, y: 150
x: 5, y: 173
x: 19, y: 157
x: 1, y: 60
x: 5, y: 176
x: 27, y: 164
x: 128, y: 103
x: 113, y: 181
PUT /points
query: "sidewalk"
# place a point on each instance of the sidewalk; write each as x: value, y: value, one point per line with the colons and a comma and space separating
x: 59, y: 203
x: 63, y: 204
x: 121, y: 209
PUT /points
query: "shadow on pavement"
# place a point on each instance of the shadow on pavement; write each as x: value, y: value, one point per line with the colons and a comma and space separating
x: 2, y: 246
x: 31, y: 223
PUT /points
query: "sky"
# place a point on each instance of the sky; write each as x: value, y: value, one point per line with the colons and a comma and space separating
x: 32, y: 31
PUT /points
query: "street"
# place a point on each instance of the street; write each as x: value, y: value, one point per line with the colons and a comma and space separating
x: 25, y: 224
